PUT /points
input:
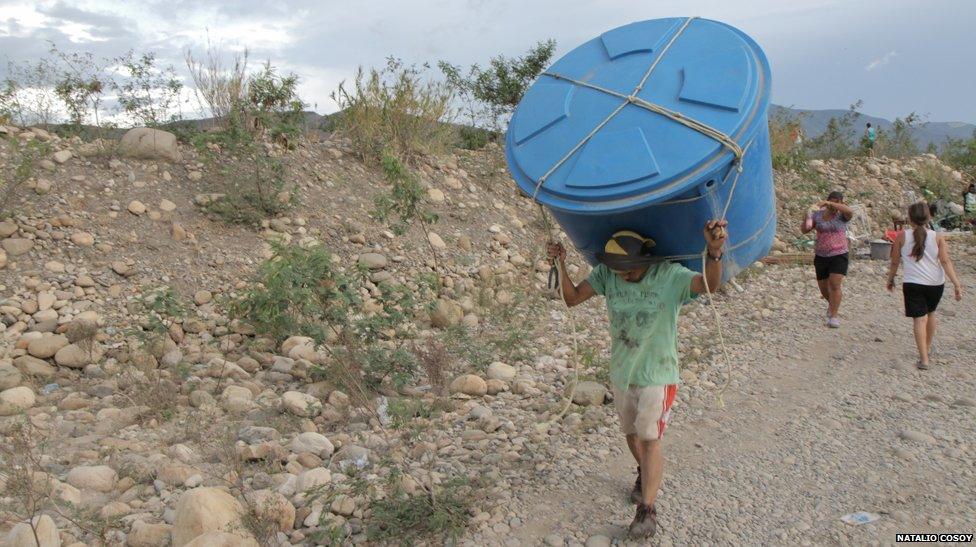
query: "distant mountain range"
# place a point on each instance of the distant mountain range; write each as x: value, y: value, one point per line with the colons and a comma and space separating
x: 815, y: 121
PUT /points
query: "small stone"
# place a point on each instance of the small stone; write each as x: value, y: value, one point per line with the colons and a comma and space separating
x: 62, y: 156
x: 32, y: 366
x: 202, y: 297
x: 301, y: 404
x: 74, y: 356
x: 436, y: 241
x: 83, y: 239
x: 3, y: 259
x: 589, y: 393
x: 314, y: 443
x: 446, y: 313
x: 313, y: 478
x: 42, y: 187
x: 22, y: 534
x: 435, y: 195
x: 469, y: 384
x: 7, y: 229
x: 148, y: 535
x: 100, y: 478
x: 204, y: 510
x: 373, y: 261
x: 136, y: 207
x: 46, y: 346
x: 917, y: 436
x: 16, y: 400
x: 597, y: 541
x: 501, y: 371
x: 16, y: 246
x: 167, y: 206
x: 9, y: 376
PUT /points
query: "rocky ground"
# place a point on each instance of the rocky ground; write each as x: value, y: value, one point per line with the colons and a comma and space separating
x: 211, y: 435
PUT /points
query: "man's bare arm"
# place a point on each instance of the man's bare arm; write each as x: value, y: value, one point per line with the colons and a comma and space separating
x: 573, y: 294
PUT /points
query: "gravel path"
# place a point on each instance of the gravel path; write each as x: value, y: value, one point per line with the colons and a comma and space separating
x: 818, y: 424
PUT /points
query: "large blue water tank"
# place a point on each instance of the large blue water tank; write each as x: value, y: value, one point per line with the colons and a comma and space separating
x: 641, y: 170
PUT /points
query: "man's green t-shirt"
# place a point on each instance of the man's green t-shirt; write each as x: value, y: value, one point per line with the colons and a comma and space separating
x: 644, y: 322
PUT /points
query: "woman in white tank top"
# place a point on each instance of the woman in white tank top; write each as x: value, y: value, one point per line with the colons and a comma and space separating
x: 926, y: 257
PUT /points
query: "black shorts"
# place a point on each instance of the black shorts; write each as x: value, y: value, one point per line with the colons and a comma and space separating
x: 826, y: 265
x: 921, y: 300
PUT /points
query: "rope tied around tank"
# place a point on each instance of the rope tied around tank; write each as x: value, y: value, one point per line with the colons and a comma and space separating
x: 724, y: 139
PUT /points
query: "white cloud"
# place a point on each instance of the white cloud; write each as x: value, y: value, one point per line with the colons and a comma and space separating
x: 878, y: 63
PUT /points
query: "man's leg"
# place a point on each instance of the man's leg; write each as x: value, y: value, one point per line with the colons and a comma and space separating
x: 652, y: 470
x: 634, y: 445
x: 834, y: 294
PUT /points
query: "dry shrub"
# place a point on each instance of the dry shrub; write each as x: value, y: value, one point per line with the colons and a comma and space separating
x: 436, y: 362
x: 395, y: 110
x: 222, y: 88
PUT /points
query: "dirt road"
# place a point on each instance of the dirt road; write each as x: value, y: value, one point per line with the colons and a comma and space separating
x: 818, y: 424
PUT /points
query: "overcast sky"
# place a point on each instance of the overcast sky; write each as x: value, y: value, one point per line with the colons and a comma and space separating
x: 897, y: 55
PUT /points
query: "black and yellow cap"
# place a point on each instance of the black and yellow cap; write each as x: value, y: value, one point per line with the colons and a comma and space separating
x: 626, y: 250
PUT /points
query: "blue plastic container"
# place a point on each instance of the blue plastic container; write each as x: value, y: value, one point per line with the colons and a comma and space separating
x: 641, y: 170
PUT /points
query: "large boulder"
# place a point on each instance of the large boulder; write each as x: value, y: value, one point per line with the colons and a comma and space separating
x: 150, y: 144
x: 22, y: 535
x: 204, y: 510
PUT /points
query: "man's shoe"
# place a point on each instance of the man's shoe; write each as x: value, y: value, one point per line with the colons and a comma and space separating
x: 921, y: 366
x: 645, y: 522
x: 636, y: 494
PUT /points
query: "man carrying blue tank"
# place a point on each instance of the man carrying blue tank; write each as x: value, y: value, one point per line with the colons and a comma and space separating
x: 644, y: 295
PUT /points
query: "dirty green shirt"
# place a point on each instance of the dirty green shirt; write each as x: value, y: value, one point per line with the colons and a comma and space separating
x: 644, y: 322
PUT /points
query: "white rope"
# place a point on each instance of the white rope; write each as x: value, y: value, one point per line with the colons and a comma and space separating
x: 673, y: 115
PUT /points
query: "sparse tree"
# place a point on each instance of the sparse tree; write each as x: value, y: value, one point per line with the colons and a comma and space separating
x: 147, y: 93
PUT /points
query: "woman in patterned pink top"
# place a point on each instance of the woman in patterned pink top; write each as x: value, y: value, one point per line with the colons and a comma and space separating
x: 830, y: 220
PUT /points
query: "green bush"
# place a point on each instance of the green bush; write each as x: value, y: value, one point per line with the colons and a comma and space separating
x: 838, y: 139
x: 898, y: 142
x: 961, y: 154
x: 274, y: 104
x: 148, y: 93
x: 431, y: 515
x: 935, y: 183
x: 24, y: 165
x: 299, y: 291
x: 395, y: 111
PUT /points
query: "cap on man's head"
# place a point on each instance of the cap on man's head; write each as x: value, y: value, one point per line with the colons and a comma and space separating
x: 835, y: 195
x: 625, y: 250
